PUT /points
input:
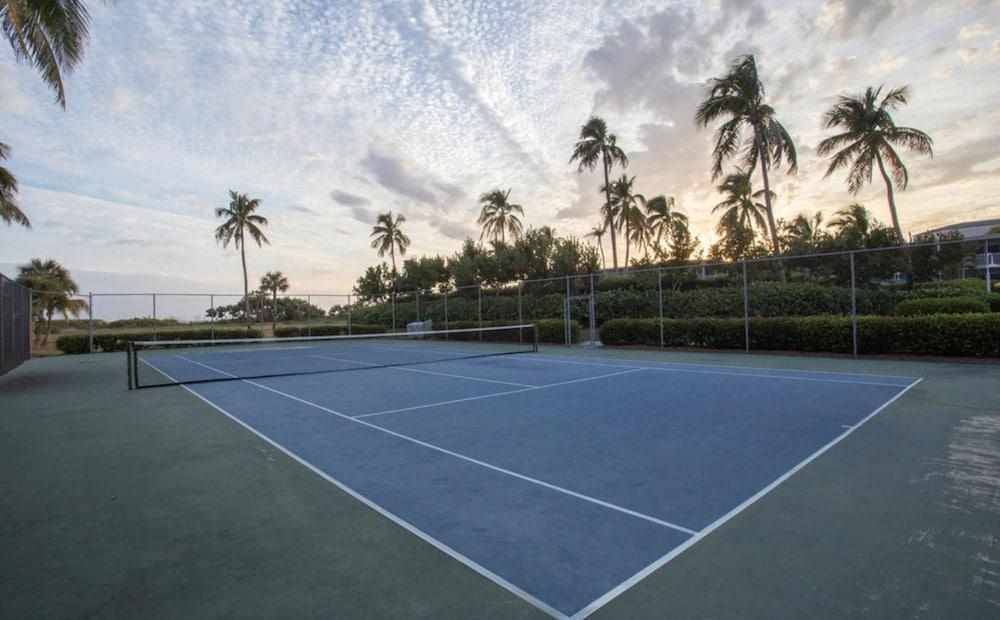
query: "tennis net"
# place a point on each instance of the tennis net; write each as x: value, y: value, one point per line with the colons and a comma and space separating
x: 174, y: 362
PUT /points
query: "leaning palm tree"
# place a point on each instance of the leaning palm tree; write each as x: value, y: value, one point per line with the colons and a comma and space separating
x: 596, y: 144
x: 659, y: 218
x: 274, y: 282
x: 49, y: 34
x: 597, y: 233
x: 628, y: 211
x: 10, y: 213
x: 390, y: 238
x: 498, y: 216
x: 52, y: 293
x: 239, y: 220
x: 738, y: 98
x: 741, y: 207
x: 868, y: 138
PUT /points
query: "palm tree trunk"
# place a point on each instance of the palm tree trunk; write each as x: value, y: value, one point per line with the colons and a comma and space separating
x: 246, y: 284
x: 767, y: 202
x: 611, y: 215
x: 604, y: 262
x: 48, y: 327
x: 889, y: 196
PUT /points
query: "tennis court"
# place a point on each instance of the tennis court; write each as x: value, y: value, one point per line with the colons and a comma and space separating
x: 565, y: 480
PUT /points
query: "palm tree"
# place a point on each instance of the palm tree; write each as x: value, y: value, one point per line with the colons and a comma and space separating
x: 598, y: 232
x: 597, y: 144
x: 855, y: 223
x: 741, y: 206
x: 52, y: 293
x: 240, y: 221
x: 803, y: 234
x: 273, y: 282
x: 659, y: 218
x: 869, y: 137
x: 738, y: 97
x: 628, y: 212
x: 389, y: 238
x: 498, y: 216
x: 9, y: 211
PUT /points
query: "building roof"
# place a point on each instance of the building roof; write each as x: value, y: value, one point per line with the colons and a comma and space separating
x: 978, y: 228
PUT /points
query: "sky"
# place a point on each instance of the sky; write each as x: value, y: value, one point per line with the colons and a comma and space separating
x: 330, y: 112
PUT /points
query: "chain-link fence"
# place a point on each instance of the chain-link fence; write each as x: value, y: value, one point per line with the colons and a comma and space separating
x: 15, y: 324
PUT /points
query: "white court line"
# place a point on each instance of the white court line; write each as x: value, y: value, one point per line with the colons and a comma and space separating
x: 645, y: 572
x: 418, y: 370
x: 463, y: 457
x: 406, y: 525
x: 482, y: 396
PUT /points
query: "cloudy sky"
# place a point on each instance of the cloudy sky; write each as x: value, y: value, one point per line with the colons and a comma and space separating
x: 331, y: 111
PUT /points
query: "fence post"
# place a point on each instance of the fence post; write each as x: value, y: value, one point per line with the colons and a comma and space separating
x: 746, y: 311
x: 854, y: 311
x: 211, y: 316
x: 90, y: 321
x: 520, y: 313
x: 154, y: 317
x: 659, y: 290
x: 308, y: 315
x: 348, y: 314
x: 593, y: 315
x: 986, y: 259
x: 566, y: 330
x: 393, y: 303
x: 418, y: 305
x: 479, y: 288
x: 445, y: 313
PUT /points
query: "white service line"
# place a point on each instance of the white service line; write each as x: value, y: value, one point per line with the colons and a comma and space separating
x: 482, y: 396
x: 420, y: 370
x: 468, y: 459
x: 673, y: 553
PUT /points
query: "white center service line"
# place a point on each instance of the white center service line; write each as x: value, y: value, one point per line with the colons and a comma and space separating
x: 469, y: 459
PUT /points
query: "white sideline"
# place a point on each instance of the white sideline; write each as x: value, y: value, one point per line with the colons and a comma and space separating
x: 463, y: 457
x: 406, y: 525
x: 673, y: 553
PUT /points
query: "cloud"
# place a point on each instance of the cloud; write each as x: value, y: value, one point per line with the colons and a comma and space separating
x: 396, y: 176
x: 974, y: 31
x: 854, y: 18
x: 347, y: 199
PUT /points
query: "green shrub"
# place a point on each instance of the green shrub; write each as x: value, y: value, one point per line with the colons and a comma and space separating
x: 964, y: 335
x: 549, y: 330
x: 78, y: 343
x: 941, y: 305
x: 326, y: 330
x: 951, y: 288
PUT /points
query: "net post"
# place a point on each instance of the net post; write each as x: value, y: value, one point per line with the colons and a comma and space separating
x: 90, y: 322
x: 154, y: 316
x: 854, y: 311
x: 479, y: 289
x: 593, y: 313
x: 534, y: 339
x: 393, y: 303
x: 308, y: 315
x: 986, y: 263
x: 446, y: 313
x: 659, y: 290
x: 348, y: 314
x: 129, y: 352
x: 211, y: 316
x: 746, y: 310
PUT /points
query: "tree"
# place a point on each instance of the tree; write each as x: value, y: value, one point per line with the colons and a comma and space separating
x: 596, y: 144
x: 868, y: 138
x: 803, y: 235
x: 626, y: 206
x: 52, y: 290
x: 273, y: 282
x: 389, y: 237
x: 742, y: 214
x: 374, y: 285
x: 854, y: 225
x: 9, y: 211
x: 682, y: 245
x: 498, y: 216
x: 738, y: 97
x: 659, y: 218
x: 597, y: 233
x: 239, y: 220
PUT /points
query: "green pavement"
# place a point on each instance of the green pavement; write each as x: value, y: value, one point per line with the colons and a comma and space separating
x: 150, y: 503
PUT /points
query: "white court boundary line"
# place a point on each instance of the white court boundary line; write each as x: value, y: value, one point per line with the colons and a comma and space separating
x: 676, y: 551
x: 406, y: 525
x: 418, y: 370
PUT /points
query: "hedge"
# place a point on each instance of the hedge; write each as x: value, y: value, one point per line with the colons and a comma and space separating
x: 549, y: 330
x: 79, y: 343
x: 327, y: 330
x: 941, y: 305
x: 953, y: 335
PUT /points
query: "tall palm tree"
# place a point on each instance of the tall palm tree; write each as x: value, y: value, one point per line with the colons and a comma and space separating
x: 855, y: 223
x: 597, y: 233
x: 868, y: 138
x: 52, y: 293
x: 627, y: 209
x: 239, y: 220
x: 659, y: 218
x: 274, y: 282
x: 9, y: 211
x: 738, y: 98
x: 390, y: 238
x: 741, y: 207
x: 596, y: 144
x: 497, y: 216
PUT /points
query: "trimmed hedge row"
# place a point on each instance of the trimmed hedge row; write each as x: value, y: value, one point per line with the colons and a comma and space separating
x: 549, y: 330
x: 79, y: 343
x: 942, y: 305
x: 953, y: 335
x: 327, y: 330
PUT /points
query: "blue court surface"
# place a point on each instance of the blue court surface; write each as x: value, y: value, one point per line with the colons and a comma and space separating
x: 564, y: 479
